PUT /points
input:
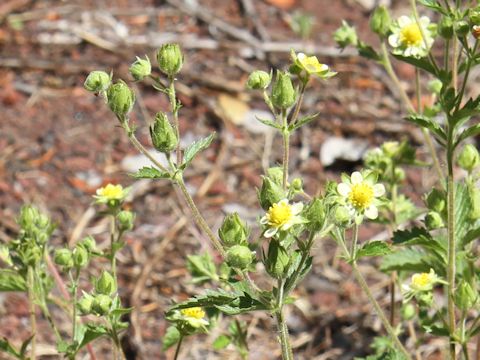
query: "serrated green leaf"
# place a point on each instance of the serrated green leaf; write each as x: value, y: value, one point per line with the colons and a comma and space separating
x: 433, y: 4
x: 92, y: 332
x: 210, y: 298
x: 269, y: 123
x: 11, y: 281
x: 405, y: 260
x: 148, y: 172
x: 194, y: 148
x: 471, y: 131
x: 23, y: 348
x: 367, y: 51
x: 422, y: 63
x: 421, y: 237
x: 374, y: 248
x: 303, y: 121
x: 172, y: 336
x: 221, y: 342
x: 429, y: 124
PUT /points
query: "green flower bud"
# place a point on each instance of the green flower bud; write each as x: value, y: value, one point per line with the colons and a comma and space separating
x: 170, y: 59
x: 380, y: 21
x: 270, y: 193
x: 399, y: 174
x: 85, y: 303
x: 433, y: 220
x: 342, y: 216
x: 469, y: 158
x: 276, y: 174
x: 445, y: 27
x: 258, y: 80
x: 465, y: 296
x: 297, y: 185
x: 436, y: 200
x: 141, y: 68
x: 315, y: 214
x: 163, y: 135
x: 105, y: 284
x: 233, y: 231
x: 101, y: 304
x: 80, y: 256
x: 475, y: 200
x: 283, y: 93
x: 239, y: 256
x: 89, y: 243
x: 408, y: 311
x: 474, y: 16
x: 97, y: 81
x: 125, y: 220
x: 345, y: 35
x: 462, y: 28
x: 435, y: 86
x: 64, y: 258
x: 277, y: 260
x: 120, y: 98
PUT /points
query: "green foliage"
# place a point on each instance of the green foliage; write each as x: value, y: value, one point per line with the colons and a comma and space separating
x: 202, y: 268
x: 150, y: 173
x: 374, y: 248
x: 193, y: 149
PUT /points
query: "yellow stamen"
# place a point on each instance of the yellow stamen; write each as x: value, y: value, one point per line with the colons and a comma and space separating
x: 193, y: 312
x: 411, y: 35
x: 279, y: 214
x: 111, y: 191
x: 361, y: 195
x: 422, y: 280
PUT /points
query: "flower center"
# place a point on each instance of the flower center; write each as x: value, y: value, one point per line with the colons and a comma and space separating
x: 421, y: 280
x: 112, y: 191
x: 411, y: 35
x: 279, y: 214
x: 361, y: 195
x: 194, y: 312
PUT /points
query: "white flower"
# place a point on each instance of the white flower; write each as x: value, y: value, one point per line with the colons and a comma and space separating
x: 407, y: 37
x: 360, y: 194
x: 281, y: 217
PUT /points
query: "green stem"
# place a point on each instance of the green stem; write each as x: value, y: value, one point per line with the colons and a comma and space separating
x: 74, y: 301
x: 177, y: 350
x: 305, y: 254
x: 386, y: 324
x: 174, y: 106
x: 31, y: 304
x: 455, y: 63
x: 198, y: 218
x: 287, y: 353
x: 286, y: 149
x: 471, y: 56
x: 296, y: 111
x: 113, y: 258
x: 353, y: 250
x: 141, y: 148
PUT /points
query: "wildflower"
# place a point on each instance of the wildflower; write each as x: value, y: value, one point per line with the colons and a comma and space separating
x: 423, y: 281
x: 407, y: 37
x: 311, y: 65
x: 360, y: 195
x: 194, y: 316
x: 111, y: 194
x: 281, y: 216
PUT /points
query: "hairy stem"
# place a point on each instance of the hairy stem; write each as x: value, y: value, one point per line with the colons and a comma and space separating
x: 31, y: 304
x: 179, y: 345
x: 451, y: 266
x: 174, y: 107
x: 286, y: 149
x: 287, y: 353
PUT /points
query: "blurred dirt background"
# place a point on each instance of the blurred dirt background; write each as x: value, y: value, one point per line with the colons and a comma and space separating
x: 59, y: 143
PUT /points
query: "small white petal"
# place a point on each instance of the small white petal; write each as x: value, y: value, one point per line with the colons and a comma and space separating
x: 287, y: 226
x: 296, y: 208
x: 378, y: 190
x: 424, y: 20
x: 270, y: 232
x: 264, y: 220
x: 371, y: 212
x: 394, y: 40
x: 283, y: 202
x: 404, y: 21
x: 344, y: 189
x: 356, y: 177
x: 301, y: 56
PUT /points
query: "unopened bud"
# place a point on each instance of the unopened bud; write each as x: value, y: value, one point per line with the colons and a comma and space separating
x: 277, y: 260
x: 270, y: 193
x: 462, y: 28
x: 258, y: 80
x: 465, y: 296
x: 170, y: 59
x: 239, y: 256
x: 436, y: 200
x: 233, y: 231
x: 85, y: 303
x: 125, y: 220
x: 120, y: 98
x: 283, y: 92
x: 163, y: 135
x: 297, y: 185
x: 80, y: 256
x: 315, y: 214
x: 380, y: 22
x: 433, y: 220
x: 345, y: 35
x: 63, y: 257
x: 105, y: 284
x: 101, y: 304
x: 97, y: 81
x: 141, y: 68
x: 445, y: 27
x: 408, y: 311
x: 89, y: 243
x: 469, y: 158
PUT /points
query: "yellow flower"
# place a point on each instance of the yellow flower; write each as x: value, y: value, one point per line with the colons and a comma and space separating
x: 407, y: 37
x: 194, y: 312
x: 311, y: 65
x: 194, y: 316
x: 360, y: 194
x: 281, y: 216
x: 424, y: 281
x: 111, y: 193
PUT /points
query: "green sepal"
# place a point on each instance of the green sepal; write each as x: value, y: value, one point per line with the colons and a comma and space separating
x: 11, y: 280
